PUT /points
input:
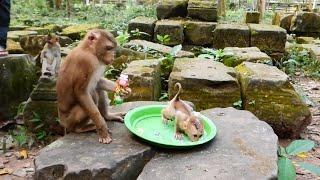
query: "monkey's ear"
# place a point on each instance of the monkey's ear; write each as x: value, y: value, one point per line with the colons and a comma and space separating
x: 92, y: 36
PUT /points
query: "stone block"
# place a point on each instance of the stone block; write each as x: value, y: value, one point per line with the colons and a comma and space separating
x: 144, y: 25
x: 205, y: 83
x: 283, y: 20
x: 231, y: 35
x: 39, y: 30
x: 172, y: 28
x: 16, y: 35
x: 168, y: 9
x: 268, y: 94
x: 252, y: 17
x: 203, y: 10
x: 33, y: 44
x: 199, y: 33
x: 305, y: 22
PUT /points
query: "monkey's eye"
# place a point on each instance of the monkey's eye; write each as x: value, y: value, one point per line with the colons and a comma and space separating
x: 109, y: 48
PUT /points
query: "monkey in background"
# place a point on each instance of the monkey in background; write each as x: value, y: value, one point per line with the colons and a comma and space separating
x: 50, y: 56
x: 81, y: 87
x: 185, y: 121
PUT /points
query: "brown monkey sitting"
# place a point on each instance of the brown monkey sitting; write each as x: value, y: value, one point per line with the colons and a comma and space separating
x: 51, y: 56
x: 82, y: 102
x: 185, y: 121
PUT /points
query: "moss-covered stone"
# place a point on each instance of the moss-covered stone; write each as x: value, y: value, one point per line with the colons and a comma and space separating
x: 39, y: 30
x: 203, y: 10
x: 252, y: 17
x: 172, y: 28
x: 283, y: 20
x: 18, y: 27
x: 45, y: 90
x: 65, y: 41
x: 17, y: 77
x: 268, y: 38
x: 145, y: 80
x: 16, y: 35
x: 33, y: 44
x: 268, y: 93
x: 235, y: 56
x: 142, y: 24
x: 207, y: 84
x: 48, y: 113
x: 305, y: 40
x: 168, y: 8
x: 162, y: 49
x: 76, y: 32
x: 305, y: 22
x: 231, y: 35
x: 14, y: 47
x: 53, y: 28
x: 199, y: 33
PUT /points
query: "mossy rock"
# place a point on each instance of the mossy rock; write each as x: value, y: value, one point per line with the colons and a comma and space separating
x: 199, y: 33
x: 283, y: 20
x: 145, y: 80
x: 305, y: 40
x: 14, y: 47
x: 268, y: 38
x: 77, y: 32
x: 235, y: 56
x: 53, y: 28
x: 142, y: 24
x: 39, y: 30
x: 17, y: 77
x: 48, y: 113
x: 65, y: 41
x: 252, y: 17
x: 168, y: 9
x: 207, y: 84
x: 203, y: 10
x: 16, y: 35
x: 33, y: 44
x: 18, y: 27
x: 172, y: 28
x: 45, y: 90
x: 231, y: 35
x: 305, y: 22
x: 268, y: 94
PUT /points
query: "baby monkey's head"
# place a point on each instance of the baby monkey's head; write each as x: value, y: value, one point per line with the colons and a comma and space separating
x: 194, y: 128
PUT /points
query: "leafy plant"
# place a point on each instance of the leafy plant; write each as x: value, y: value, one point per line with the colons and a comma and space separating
x: 138, y: 33
x: 287, y: 167
x: 20, y: 109
x: 163, y: 39
x: 21, y: 138
x: 122, y: 38
x: 213, y: 54
x: 238, y: 104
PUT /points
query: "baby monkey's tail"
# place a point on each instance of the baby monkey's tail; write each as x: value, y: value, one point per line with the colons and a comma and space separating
x: 177, y: 85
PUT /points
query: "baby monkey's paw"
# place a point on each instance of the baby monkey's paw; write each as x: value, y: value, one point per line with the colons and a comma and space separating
x: 104, y: 136
x: 178, y: 136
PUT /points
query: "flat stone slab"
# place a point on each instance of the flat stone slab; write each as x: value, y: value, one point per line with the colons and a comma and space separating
x: 268, y: 93
x: 231, y: 35
x: 157, y: 47
x: 207, y: 84
x: 145, y: 79
x: 244, y: 148
x: 15, y: 35
x: 81, y: 156
x: 235, y: 56
x: 268, y: 38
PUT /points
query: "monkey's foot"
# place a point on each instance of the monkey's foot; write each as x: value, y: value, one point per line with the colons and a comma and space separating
x: 104, y: 136
x: 106, y: 140
x: 178, y: 136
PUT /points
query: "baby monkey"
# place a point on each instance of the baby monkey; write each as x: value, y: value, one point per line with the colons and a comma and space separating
x: 185, y: 121
x: 51, y: 56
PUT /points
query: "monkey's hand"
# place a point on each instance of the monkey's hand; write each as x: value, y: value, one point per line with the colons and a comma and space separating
x: 115, y: 116
x: 125, y: 93
x: 104, y: 136
x: 178, y: 135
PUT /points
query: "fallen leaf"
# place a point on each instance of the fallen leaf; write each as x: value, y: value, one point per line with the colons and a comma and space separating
x: 5, y: 171
x: 302, y: 155
x: 23, y: 154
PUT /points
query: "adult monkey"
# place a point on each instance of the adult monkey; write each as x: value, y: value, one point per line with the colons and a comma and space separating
x: 82, y: 102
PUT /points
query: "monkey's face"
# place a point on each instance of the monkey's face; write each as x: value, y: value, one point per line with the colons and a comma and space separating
x: 194, y: 129
x: 52, y: 39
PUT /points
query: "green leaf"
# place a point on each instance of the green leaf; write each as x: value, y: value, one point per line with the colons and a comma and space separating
x: 310, y: 167
x: 281, y: 151
x: 286, y: 169
x: 299, y: 146
x: 175, y: 50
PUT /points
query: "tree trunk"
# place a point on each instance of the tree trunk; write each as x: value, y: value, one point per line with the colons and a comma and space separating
x: 221, y: 8
x: 68, y: 7
x: 261, y: 7
x: 58, y: 4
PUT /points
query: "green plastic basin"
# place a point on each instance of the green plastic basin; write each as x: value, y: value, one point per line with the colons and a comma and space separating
x: 146, y: 123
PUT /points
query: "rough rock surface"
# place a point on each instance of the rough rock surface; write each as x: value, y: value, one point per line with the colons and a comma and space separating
x: 268, y: 38
x: 14, y: 47
x: 172, y: 28
x: 39, y: 30
x: 206, y: 83
x: 306, y: 22
x: 156, y: 47
x: 244, y: 148
x: 252, y: 17
x: 268, y: 93
x: 168, y: 8
x: 17, y: 77
x: 143, y: 24
x: 203, y: 10
x: 231, y: 35
x: 76, y: 32
x: 33, y: 44
x: 283, y: 20
x: 16, y: 35
x: 235, y: 56
x: 145, y: 79
x: 81, y: 156
x: 199, y: 33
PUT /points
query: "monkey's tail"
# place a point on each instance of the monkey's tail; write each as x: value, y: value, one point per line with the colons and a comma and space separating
x: 177, y: 85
